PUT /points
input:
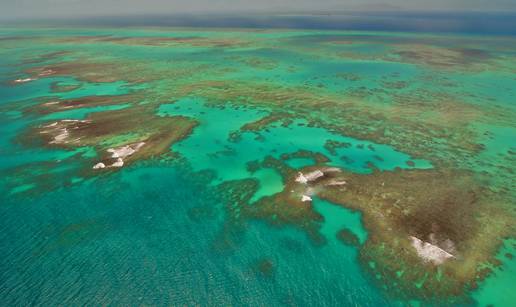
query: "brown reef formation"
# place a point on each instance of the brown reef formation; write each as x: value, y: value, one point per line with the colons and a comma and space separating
x: 82, y: 70
x: 432, y: 233
x: 159, y: 41
x: 118, y: 137
x: 52, y: 104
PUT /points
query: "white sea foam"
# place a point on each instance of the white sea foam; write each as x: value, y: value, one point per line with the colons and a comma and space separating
x: 99, y: 165
x: 429, y: 252
x: 306, y: 198
x: 24, y: 80
x: 312, y: 176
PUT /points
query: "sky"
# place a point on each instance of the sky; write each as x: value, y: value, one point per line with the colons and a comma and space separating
x: 67, y: 8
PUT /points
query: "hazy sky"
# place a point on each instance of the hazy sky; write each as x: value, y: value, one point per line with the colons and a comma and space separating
x: 51, y: 8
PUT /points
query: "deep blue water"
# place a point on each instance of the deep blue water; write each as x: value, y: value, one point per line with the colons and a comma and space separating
x: 492, y: 23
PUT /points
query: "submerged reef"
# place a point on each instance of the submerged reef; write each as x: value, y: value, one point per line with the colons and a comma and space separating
x: 118, y: 137
x: 416, y: 133
x: 431, y: 232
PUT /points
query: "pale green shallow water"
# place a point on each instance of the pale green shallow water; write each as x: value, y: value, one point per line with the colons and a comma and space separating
x: 132, y: 237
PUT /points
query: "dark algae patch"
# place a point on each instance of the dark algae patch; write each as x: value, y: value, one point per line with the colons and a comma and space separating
x: 348, y: 237
x: 265, y: 267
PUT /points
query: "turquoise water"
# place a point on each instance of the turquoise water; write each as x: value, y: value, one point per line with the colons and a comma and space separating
x: 337, y: 218
x: 130, y: 238
x: 210, y: 148
x: 146, y: 234
x: 216, y: 125
x: 499, y: 290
